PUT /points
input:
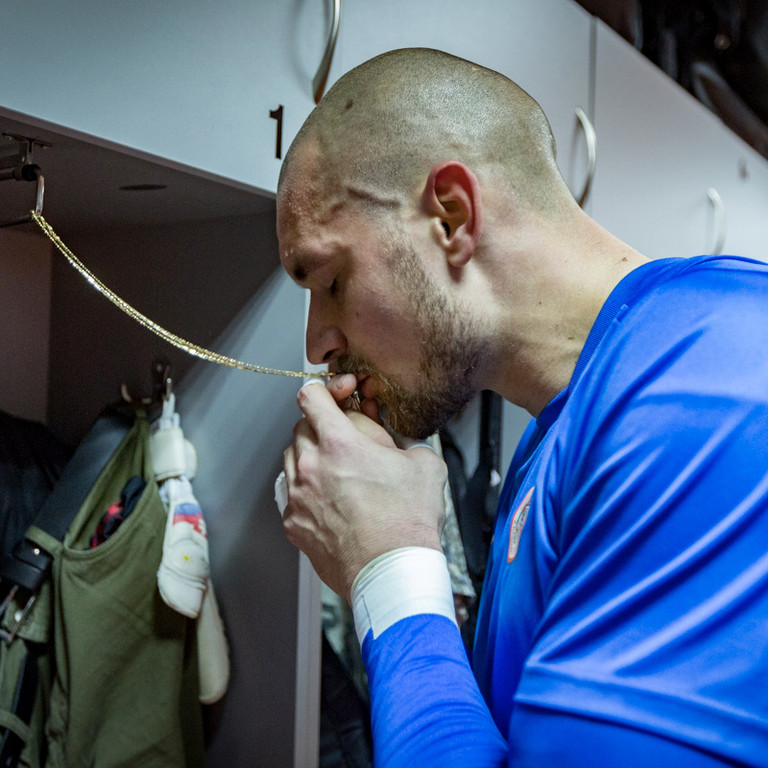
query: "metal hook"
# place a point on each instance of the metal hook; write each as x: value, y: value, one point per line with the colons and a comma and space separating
x: 128, y: 398
x: 591, y: 139
x: 321, y: 76
x: 20, y: 167
x: 40, y: 191
x: 720, y: 220
x: 167, y: 382
x: 162, y: 386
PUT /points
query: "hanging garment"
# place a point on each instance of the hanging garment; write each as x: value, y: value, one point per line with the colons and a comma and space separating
x: 475, y: 500
x: 31, y: 460
x: 345, y: 728
x: 95, y: 669
x: 184, y: 578
x: 450, y: 537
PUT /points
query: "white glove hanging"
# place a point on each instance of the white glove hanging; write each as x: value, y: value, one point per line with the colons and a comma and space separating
x: 183, y: 577
x: 184, y: 569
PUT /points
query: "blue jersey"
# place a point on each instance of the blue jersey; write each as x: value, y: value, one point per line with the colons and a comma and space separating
x: 624, y: 618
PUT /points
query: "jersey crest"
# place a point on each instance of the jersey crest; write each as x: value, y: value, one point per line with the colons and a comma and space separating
x: 516, y: 526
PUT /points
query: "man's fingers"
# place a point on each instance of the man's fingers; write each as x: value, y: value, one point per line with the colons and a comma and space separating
x: 323, y: 418
x: 342, y: 386
x: 321, y: 410
x: 371, y: 429
x: 302, y: 429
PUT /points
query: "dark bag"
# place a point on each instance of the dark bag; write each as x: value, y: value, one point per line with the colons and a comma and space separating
x: 95, y: 670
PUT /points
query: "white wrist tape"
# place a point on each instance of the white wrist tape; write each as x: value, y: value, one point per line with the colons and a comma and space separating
x: 402, y: 583
x: 281, y: 493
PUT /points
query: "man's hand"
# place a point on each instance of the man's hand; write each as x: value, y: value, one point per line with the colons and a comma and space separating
x: 352, y: 494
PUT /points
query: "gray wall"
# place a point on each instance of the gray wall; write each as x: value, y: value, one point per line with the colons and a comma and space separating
x: 219, y: 284
x: 25, y: 301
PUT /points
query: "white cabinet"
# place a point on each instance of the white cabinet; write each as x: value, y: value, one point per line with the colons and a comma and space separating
x: 189, y: 81
x: 744, y: 193
x: 671, y: 179
x: 542, y: 46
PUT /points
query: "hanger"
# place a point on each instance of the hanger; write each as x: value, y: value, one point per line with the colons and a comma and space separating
x: 19, y: 167
x: 162, y: 386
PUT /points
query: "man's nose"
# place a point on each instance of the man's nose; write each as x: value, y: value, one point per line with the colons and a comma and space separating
x: 325, y: 341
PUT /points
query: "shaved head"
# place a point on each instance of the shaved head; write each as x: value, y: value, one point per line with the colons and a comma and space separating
x: 384, y: 125
x: 394, y: 208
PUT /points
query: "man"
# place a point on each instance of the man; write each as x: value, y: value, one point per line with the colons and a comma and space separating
x: 625, y: 610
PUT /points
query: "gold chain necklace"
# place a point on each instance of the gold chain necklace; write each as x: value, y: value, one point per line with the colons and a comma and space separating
x: 171, y: 338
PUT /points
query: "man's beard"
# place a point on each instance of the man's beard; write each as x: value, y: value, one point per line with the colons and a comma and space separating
x: 450, y: 354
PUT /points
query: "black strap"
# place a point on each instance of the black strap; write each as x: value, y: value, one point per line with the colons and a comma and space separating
x: 28, y: 564
x: 80, y: 474
x: 11, y: 743
x: 478, y: 507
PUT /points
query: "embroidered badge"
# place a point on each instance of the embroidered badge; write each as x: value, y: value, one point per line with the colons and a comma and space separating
x: 516, y: 526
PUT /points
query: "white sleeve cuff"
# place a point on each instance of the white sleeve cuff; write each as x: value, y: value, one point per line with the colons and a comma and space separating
x: 398, y: 584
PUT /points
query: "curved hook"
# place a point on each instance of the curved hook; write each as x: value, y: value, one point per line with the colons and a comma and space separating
x: 29, y: 172
x: 720, y: 220
x: 162, y: 386
x: 128, y: 398
x: 321, y: 76
x: 40, y: 191
x: 591, y: 138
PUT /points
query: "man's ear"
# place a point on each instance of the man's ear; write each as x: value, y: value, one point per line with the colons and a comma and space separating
x: 452, y: 198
